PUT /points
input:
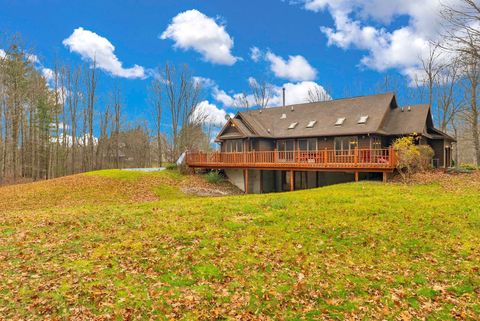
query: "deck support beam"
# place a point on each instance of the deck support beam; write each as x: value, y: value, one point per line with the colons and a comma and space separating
x: 292, y: 180
x: 385, y: 177
x: 356, y: 176
x: 245, y: 180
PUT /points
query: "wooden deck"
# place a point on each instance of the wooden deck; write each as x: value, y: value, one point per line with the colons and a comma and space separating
x: 358, y: 160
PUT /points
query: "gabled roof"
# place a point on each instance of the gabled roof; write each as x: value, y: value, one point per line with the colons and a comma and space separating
x: 384, y: 117
x: 269, y: 122
x: 407, y: 120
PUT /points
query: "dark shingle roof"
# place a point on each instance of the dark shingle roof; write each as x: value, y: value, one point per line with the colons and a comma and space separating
x: 269, y: 122
x: 384, y: 117
x: 407, y: 120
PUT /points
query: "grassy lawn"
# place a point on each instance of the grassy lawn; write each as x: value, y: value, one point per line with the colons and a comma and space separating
x: 122, y: 245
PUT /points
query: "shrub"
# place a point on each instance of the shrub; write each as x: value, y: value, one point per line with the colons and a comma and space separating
x: 171, y: 166
x: 425, y: 158
x: 412, y: 158
x: 469, y: 167
x: 214, y: 177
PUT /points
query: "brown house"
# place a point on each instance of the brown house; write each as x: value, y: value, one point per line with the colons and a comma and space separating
x: 316, y: 144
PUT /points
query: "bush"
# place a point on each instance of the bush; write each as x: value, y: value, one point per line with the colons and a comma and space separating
x: 425, y: 158
x: 171, y: 166
x: 412, y: 158
x: 214, y: 177
x: 469, y: 167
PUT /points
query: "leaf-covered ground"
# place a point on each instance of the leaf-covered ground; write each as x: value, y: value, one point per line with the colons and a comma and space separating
x: 115, y: 246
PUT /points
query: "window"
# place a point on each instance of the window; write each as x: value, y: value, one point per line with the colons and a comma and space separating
x: 311, y: 124
x: 340, y: 121
x: 345, y: 145
x: 363, y: 119
x: 234, y: 146
x: 285, y: 150
x: 309, y: 144
x: 285, y: 145
x: 292, y: 125
x: 283, y: 116
x: 375, y: 143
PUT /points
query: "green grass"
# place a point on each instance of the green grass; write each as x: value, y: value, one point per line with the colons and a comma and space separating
x: 365, y: 250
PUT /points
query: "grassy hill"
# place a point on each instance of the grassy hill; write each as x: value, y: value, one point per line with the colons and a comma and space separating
x: 122, y: 245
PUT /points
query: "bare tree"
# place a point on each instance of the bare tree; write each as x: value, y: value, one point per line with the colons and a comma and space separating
x: 447, y: 101
x: 156, y: 102
x: 432, y: 67
x: 241, y: 101
x: 472, y: 113
x: 461, y: 28
x: 317, y: 94
x: 261, y: 91
x: 182, y: 98
x: 91, y: 86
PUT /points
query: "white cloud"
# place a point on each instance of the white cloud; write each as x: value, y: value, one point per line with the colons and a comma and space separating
x: 204, y: 82
x: 90, y: 46
x: 47, y: 73
x: 3, y: 54
x: 192, y: 29
x: 210, y: 113
x: 295, y: 93
x: 401, y: 48
x: 296, y: 68
x: 33, y: 58
x: 255, y: 54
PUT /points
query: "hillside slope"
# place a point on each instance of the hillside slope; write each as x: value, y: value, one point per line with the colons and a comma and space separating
x: 365, y: 250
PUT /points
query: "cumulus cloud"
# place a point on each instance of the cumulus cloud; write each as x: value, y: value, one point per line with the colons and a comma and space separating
x: 400, y: 48
x: 93, y: 47
x: 3, y: 54
x: 296, y: 68
x: 255, y: 54
x: 194, y: 30
x: 296, y: 93
x: 210, y: 113
x: 47, y: 73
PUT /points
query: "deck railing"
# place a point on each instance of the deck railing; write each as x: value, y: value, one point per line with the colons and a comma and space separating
x: 358, y: 158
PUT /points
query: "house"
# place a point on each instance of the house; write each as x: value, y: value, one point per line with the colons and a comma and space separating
x: 316, y: 144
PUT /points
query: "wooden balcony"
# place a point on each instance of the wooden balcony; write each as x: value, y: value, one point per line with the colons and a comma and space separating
x: 367, y: 160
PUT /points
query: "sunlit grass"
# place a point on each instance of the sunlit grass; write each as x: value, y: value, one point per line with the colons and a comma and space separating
x: 368, y: 250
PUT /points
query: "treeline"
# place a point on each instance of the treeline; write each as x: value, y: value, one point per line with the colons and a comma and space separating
x: 53, y: 125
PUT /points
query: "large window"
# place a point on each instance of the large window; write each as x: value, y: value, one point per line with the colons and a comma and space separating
x: 234, y: 146
x: 309, y: 144
x: 285, y: 150
x: 286, y: 145
x: 345, y: 145
x: 375, y: 143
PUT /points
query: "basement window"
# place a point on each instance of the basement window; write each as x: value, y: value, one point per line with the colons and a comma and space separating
x: 363, y: 119
x: 311, y: 124
x: 293, y: 125
x: 340, y: 121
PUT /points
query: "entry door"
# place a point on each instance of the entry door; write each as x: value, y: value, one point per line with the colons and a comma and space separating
x: 285, y: 150
x: 448, y: 157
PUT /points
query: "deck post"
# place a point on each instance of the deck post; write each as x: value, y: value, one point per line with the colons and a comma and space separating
x: 385, y: 177
x: 292, y: 180
x: 245, y: 180
x: 355, y: 156
x: 261, y: 181
x: 356, y: 176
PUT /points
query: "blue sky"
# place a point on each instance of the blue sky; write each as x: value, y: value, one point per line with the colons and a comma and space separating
x: 343, y: 46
